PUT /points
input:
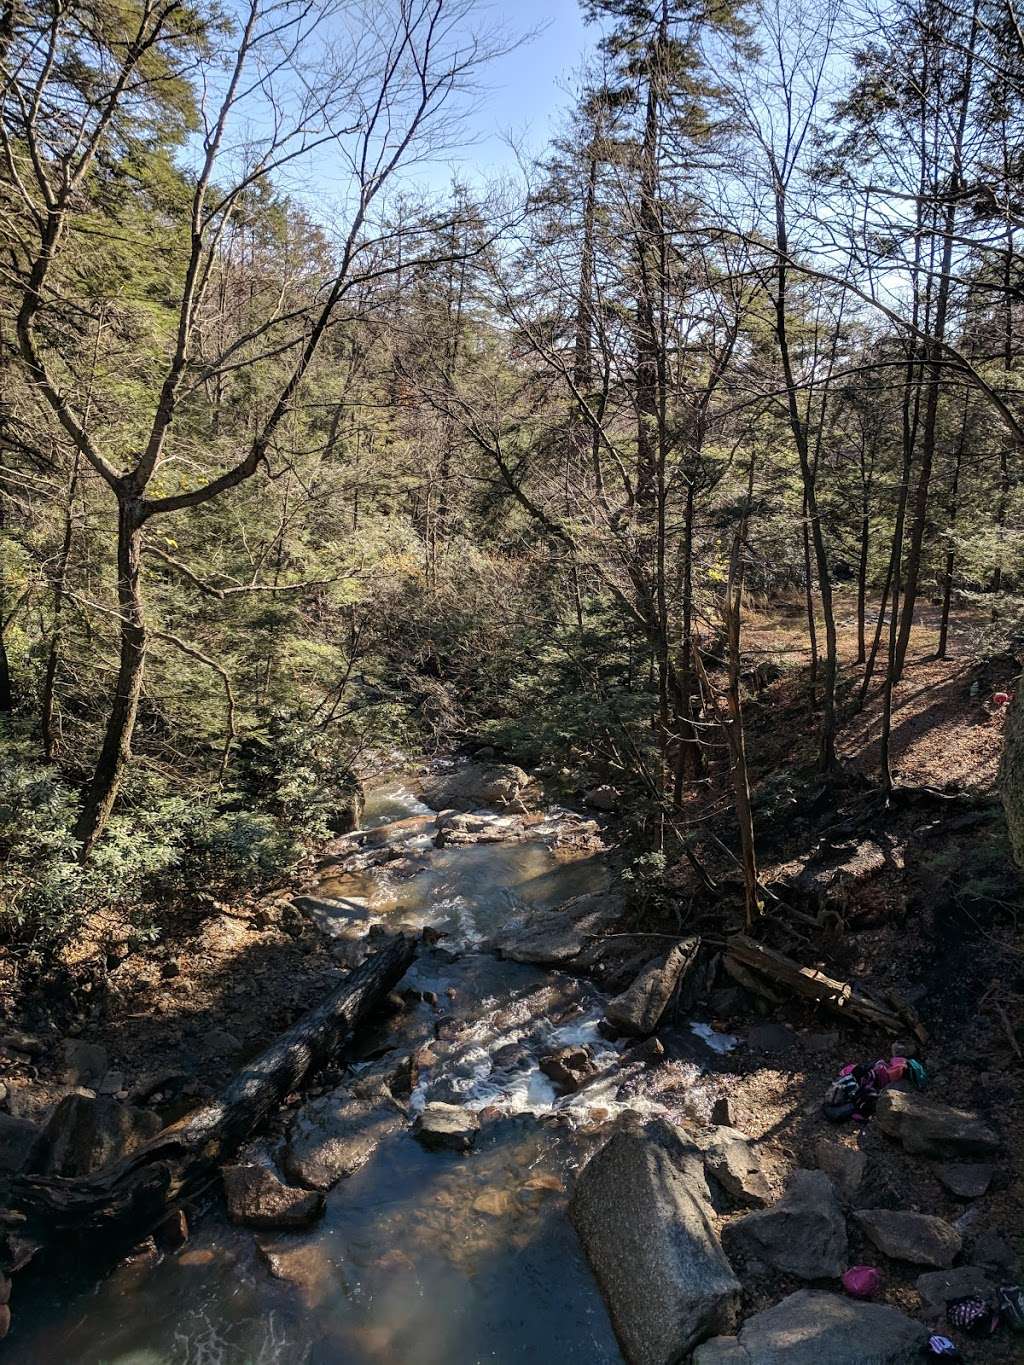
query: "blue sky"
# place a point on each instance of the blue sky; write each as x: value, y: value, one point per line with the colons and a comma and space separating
x: 525, y: 92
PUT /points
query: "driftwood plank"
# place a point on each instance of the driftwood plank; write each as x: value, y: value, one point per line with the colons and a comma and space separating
x: 842, y: 999
x: 137, y: 1191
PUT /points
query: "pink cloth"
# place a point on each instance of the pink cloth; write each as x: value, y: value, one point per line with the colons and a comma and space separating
x: 862, y: 1281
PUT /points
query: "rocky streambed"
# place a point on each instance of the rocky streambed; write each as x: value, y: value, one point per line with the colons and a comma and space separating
x: 536, y: 1150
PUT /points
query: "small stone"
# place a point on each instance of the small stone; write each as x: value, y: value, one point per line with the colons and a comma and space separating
x: 919, y: 1238
x: 201, y: 1256
x: 731, y: 1159
x: 846, y: 1165
x: 721, y: 1112
x: 967, y: 1179
x: 650, y: 1052
x: 604, y: 798
x: 569, y: 1067
x: 447, y: 1127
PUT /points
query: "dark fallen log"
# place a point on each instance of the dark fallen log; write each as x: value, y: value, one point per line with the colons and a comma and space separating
x: 894, y: 1017
x: 135, y: 1194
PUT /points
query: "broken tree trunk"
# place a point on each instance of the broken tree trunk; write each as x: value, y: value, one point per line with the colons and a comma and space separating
x: 896, y: 1018
x: 135, y: 1193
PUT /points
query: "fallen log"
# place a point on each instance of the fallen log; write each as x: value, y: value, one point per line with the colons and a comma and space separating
x: 896, y: 1018
x: 136, y: 1193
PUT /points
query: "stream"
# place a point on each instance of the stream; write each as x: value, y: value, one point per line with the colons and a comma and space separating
x: 421, y: 1256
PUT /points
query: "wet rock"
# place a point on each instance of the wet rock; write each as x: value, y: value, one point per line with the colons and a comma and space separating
x: 731, y: 1159
x: 84, y: 1063
x: 638, y: 1010
x: 257, y: 1199
x: 306, y: 1266
x: 804, y: 1234
x: 569, y: 1067
x: 17, y: 1139
x: 475, y: 784
x: 511, y: 1057
x: 771, y: 1038
x: 333, y: 1136
x: 131, y: 1273
x: 643, y: 1215
x: 967, y: 1179
x: 604, y: 798
x: 553, y: 937
x: 845, y: 1165
x: 650, y: 1052
x: 926, y: 1127
x: 447, y: 1127
x: 85, y: 1133
x: 816, y: 1328
x: 919, y: 1238
x: 939, y: 1287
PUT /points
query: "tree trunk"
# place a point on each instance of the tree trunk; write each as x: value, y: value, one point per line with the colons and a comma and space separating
x: 59, y: 587
x: 117, y: 740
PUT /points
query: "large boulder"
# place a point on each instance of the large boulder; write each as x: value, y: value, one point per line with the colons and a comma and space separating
x: 927, y: 1128
x: 816, y: 1328
x: 639, y: 1008
x: 257, y: 1199
x: 86, y: 1132
x: 643, y: 1215
x: 730, y: 1158
x: 551, y: 938
x: 475, y: 784
x: 919, y: 1238
x: 804, y: 1234
x: 331, y: 1137
x: 1011, y: 775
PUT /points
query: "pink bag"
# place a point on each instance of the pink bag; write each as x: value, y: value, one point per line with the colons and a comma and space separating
x: 862, y: 1281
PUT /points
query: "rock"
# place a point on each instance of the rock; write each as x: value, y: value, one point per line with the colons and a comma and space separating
x: 731, y: 1159
x: 919, y: 1238
x: 727, y: 1001
x: 5, y: 1320
x: 257, y: 1199
x: 638, y: 1010
x: 643, y: 1216
x: 939, y: 1287
x: 650, y: 1052
x: 495, y: 1203
x: 551, y: 938
x: 333, y: 1136
x: 771, y: 1038
x: 306, y: 1266
x: 968, y: 1179
x: 85, y: 1133
x: 447, y: 1127
x: 845, y: 1165
x: 84, y: 1063
x: 811, y: 1327
x: 569, y: 1067
x: 721, y: 1112
x: 603, y: 798
x: 475, y: 784
x: 804, y: 1234
x: 989, y: 1249
x: 170, y: 970
x: 927, y: 1128
x: 823, y: 1042
x: 17, y: 1139
x: 111, y: 1083
x: 27, y: 1043
x: 219, y: 1042
x: 171, y: 1233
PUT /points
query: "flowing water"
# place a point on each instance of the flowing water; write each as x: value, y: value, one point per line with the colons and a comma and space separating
x: 421, y: 1257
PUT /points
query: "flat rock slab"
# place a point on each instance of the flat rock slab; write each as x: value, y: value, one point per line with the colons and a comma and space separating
x: 638, y: 1010
x: 643, y: 1216
x: 815, y: 1328
x: 730, y: 1158
x: 331, y: 1137
x: 919, y: 1238
x: 257, y: 1199
x: 447, y: 1127
x: 804, y: 1234
x: 550, y: 938
x: 926, y: 1127
x: 967, y: 1179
